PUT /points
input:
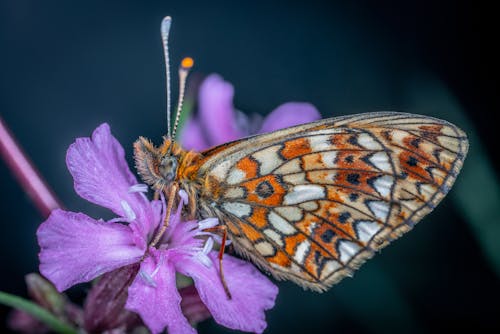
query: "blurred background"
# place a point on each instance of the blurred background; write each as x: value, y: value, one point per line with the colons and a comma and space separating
x: 68, y: 66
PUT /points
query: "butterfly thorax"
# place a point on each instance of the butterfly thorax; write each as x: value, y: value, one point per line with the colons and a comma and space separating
x: 161, y: 166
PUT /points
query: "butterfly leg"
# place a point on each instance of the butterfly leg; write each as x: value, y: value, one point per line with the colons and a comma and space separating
x: 223, y: 229
x: 171, y: 199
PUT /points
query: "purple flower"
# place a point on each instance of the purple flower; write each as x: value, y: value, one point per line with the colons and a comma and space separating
x: 218, y: 122
x: 76, y: 248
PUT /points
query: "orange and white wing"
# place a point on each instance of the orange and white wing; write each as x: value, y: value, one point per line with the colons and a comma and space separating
x: 311, y: 203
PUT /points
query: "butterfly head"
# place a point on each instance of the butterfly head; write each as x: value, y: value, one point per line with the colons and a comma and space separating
x: 158, y: 166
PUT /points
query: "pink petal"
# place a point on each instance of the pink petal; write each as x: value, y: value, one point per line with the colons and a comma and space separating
x: 216, y: 110
x: 192, y: 136
x: 252, y: 292
x: 76, y: 248
x: 290, y: 114
x: 182, y: 234
x: 101, y: 175
x: 154, y: 296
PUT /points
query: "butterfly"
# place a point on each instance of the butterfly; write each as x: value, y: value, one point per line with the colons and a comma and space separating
x: 313, y: 202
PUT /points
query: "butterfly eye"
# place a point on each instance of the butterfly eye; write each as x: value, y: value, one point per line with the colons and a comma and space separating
x: 168, y: 168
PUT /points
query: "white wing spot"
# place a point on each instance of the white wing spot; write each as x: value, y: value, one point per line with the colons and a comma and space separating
x: 311, y: 228
x: 220, y: 171
x: 450, y: 143
x: 329, y: 159
x: 367, y: 229
x: 281, y: 224
x: 304, y: 193
x: 330, y: 267
x: 265, y: 248
x: 368, y: 142
x: 236, y: 175
x: 309, y: 206
x: 384, y: 184
x: 274, y: 236
x: 290, y: 212
x: 268, y: 159
x: 347, y: 250
x: 381, y: 161
x: 292, y: 166
x: 301, y: 251
x: 320, y: 143
x: 238, y: 209
x: 380, y: 209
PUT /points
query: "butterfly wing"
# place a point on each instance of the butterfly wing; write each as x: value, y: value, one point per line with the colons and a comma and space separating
x: 311, y: 203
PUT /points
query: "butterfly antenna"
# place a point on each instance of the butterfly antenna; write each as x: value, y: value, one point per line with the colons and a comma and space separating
x: 186, y: 65
x: 165, y: 29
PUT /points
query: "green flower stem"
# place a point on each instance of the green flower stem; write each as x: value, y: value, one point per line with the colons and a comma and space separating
x: 37, y: 312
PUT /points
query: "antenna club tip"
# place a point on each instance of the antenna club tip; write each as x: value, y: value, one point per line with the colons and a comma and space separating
x: 165, y: 24
x: 187, y: 63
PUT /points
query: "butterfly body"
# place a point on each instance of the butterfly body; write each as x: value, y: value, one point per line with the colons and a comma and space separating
x: 311, y: 203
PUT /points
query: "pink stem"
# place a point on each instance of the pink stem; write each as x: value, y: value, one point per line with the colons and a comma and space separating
x: 25, y: 173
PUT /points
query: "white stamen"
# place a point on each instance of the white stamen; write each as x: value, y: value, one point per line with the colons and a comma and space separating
x: 209, y: 244
x: 204, y: 259
x: 202, y: 255
x: 184, y: 196
x: 148, y: 279
x: 128, y: 210
x: 138, y: 188
x: 158, y: 266
x: 207, y: 223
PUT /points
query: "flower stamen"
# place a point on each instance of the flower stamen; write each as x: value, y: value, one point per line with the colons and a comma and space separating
x: 202, y: 255
x: 140, y: 187
x: 184, y: 196
x: 147, y: 278
x: 128, y: 210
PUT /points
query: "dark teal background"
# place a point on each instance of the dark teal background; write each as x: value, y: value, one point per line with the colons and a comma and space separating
x: 67, y: 66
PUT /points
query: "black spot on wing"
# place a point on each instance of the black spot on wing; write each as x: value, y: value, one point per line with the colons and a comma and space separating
x: 327, y: 236
x: 344, y: 216
x: 353, y: 178
x: 264, y: 189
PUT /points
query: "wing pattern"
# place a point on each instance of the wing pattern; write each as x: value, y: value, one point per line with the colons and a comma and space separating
x: 311, y: 203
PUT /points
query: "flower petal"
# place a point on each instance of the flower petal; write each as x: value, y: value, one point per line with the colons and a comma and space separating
x: 252, y: 292
x: 101, y: 175
x: 192, y: 136
x: 76, y: 248
x: 180, y: 236
x: 216, y: 110
x: 154, y: 296
x: 290, y: 114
